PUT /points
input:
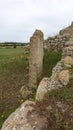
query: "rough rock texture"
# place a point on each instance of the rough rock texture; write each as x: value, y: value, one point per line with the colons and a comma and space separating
x: 58, y: 42
x: 18, y: 119
x: 69, y: 42
x: 68, y: 61
x: 68, y: 51
x: 64, y: 77
x: 49, y: 84
x: 42, y: 89
x: 35, y: 58
x: 68, y: 30
x: 58, y: 79
x: 26, y: 117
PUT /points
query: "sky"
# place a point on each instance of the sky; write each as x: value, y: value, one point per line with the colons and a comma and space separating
x: 20, y: 18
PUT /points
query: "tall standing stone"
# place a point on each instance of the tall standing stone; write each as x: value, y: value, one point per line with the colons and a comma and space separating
x: 36, y: 58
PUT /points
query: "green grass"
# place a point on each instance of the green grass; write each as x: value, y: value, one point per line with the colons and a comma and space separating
x: 50, y: 60
x: 64, y: 94
x: 13, y: 75
x: 6, y: 53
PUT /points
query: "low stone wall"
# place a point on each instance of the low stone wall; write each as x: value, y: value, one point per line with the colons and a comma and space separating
x: 60, y: 74
x: 67, y: 30
x: 56, y: 43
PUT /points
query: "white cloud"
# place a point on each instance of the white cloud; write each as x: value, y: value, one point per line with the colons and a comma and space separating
x: 19, y: 18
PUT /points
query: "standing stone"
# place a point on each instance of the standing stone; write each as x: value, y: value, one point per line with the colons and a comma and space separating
x: 36, y: 58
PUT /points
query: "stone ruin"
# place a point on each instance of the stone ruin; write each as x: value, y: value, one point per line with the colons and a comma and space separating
x: 36, y: 58
x: 60, y: 74
x: 58, y: 42
x: 27, y: 117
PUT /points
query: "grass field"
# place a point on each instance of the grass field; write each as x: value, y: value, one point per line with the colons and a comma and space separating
x: 6, y: 54
x: 14, y: 74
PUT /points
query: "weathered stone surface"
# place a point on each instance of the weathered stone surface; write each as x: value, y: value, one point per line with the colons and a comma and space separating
x: 68, y: 30
x: 27, y: 117
x: 35, y: 58
x: 47, y: 85
x: 18, y: 119
x: 63, y: 76
x: 58, y: 79
x: 70, y: 42
x: 63, y: 39
x: 57, y: 68
x: 56, y: 43
x: 42, y: 89
x: 68, y: 51
x: 68, y: 61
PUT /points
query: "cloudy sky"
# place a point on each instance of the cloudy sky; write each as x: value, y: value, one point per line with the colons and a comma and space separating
x: 19, y: 18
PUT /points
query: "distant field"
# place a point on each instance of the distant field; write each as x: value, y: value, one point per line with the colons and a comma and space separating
x: 14, y: 74
x: 7, y: 53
